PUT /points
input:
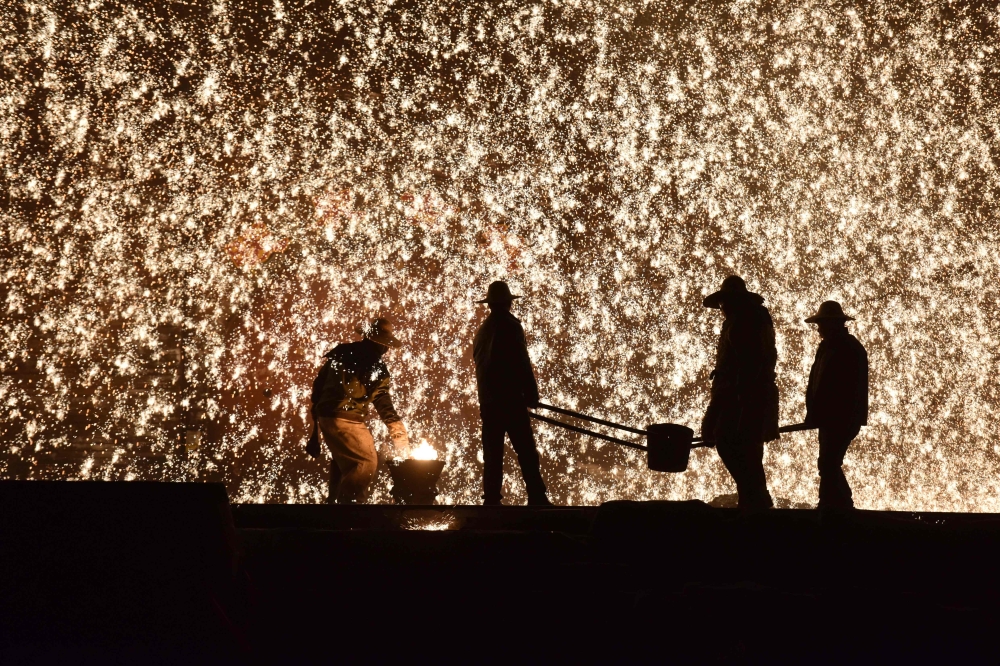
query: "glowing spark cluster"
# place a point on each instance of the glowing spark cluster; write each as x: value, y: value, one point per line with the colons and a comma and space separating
x: 198, y: 200
x: 424, y: 452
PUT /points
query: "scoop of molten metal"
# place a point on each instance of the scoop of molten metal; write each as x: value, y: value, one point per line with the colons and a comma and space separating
x: 424, y: 452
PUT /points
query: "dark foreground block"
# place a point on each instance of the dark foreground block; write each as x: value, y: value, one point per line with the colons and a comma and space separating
x: 570, y: 520
x: 148, y: 573
x: 140, y: 572
x: 650, y: 582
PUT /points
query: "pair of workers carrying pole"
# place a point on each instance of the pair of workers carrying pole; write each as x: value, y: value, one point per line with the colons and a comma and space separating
x: 743, y: 411
x: 742, y: 414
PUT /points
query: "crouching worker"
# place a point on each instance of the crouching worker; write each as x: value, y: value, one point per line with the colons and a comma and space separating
x: 353, y: 376
x: 836, y: 400
x: 507, y: 388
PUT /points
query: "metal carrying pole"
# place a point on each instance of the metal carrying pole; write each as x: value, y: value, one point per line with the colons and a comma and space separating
x: 783, y: 429
x: 602, y: 422
x: 589, y: 432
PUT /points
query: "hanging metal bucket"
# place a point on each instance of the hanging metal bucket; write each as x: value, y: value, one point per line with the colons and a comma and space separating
x: 415, y: 481
x: 668, y: 447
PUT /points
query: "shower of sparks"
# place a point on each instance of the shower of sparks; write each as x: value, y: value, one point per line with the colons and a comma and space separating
x: 199, y: 200
x: 437, y: 524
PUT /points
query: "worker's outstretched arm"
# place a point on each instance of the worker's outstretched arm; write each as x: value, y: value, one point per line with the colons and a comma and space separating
x: 387, y: 412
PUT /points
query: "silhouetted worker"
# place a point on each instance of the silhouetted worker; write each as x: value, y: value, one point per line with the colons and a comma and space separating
x: 743, y: 411
x: 836, y: 400
x: 507, y: 388
x: 353, y: 376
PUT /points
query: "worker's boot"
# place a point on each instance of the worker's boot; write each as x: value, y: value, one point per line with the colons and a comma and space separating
x: 539, y: 501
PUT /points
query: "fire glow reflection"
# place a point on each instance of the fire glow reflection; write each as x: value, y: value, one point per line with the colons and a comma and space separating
x: 198, y: 202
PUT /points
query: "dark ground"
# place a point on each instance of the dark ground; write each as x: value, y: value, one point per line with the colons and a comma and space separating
x: 148, y: 573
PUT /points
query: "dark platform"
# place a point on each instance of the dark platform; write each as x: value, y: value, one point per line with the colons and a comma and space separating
x: 573, y: 520
x: 150, y: 573
x: 628, y: 581
x: 131, y: 572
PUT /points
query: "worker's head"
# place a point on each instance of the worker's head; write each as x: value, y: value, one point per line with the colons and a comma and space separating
x: 498, y: 297
x: 732, y: 297
x: 828, y: 327
x: 829, y: 319
x: 379, y: 332
x: 727, y: 306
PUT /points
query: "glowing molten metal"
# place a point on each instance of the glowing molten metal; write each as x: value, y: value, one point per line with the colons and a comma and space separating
x: 424, y: 452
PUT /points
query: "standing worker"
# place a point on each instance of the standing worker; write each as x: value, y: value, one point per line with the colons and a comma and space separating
x: 507, y: 388
x: 353, y: 376
x: 743, y: 411
x: 836, y: 400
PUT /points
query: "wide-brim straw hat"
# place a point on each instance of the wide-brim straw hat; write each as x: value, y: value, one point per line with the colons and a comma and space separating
x: 498, y: 292
x: 733, y: 288
x: 828, y: 310
x: 380, y: 331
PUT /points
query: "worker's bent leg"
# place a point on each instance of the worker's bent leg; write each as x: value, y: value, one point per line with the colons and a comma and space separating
x: 494, y: 428
x: 335, y: 477
x: 353, y: 450
x: 834, y: 490
x: 745, y: 462
x: 756, y: 479
x: 329, y: 437
x: 728, y: 451
x: 522, y: 438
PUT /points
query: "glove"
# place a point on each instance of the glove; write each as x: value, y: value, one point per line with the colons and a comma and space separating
x: 400, y: 440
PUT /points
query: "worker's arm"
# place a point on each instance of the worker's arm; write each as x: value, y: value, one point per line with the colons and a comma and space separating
x: 387, y: 412
x: 312, y: 445
x: 749, y: 344
x: 834, y: 386
x: 529, y: 385
x: 318, y: 384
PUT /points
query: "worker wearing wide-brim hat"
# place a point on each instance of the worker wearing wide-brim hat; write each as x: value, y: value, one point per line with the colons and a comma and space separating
x: 836, y: 400
x: 507, y: 387
x: 743, y: 411
x: 354, y: 376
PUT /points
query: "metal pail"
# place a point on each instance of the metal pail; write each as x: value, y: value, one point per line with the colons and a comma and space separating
x: 669, y: 447
x: 415, y: 481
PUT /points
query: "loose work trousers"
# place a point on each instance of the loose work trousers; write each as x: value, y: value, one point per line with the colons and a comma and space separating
x: 743, y: 456
x: 512, y: 420
x: 355, y: 460
x: 834, y: 490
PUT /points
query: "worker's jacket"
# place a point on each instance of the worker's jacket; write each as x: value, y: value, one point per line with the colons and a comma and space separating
x: 353, y: 376
x: 744, y: 401
x: 837, y: 395
x: 503, y: 369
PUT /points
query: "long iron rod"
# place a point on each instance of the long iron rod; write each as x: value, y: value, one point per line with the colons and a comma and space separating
x: 588, y: 432
x: 795, y: 427
x: 591, y: 419
x: 697, y: 441
x: 783, y: 429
